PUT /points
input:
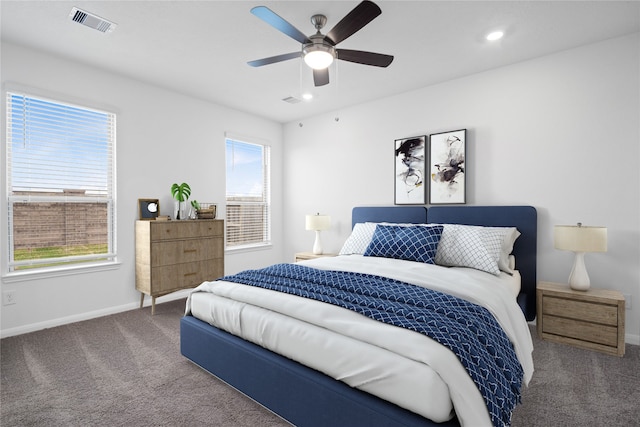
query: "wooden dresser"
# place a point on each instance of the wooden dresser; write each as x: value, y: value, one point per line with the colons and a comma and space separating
x: 175, y: 255
x: 592, y: 319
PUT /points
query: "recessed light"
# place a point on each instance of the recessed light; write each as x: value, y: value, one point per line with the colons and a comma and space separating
x: 496, y: 35
x: 307, y: 96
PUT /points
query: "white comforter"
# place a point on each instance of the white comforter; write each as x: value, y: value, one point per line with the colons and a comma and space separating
x: 398, y: 365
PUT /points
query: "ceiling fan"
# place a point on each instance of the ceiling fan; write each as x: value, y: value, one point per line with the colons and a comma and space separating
x: 320, y: 50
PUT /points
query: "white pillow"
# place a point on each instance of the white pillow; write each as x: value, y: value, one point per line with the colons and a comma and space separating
x: 359, y: 239
x: 483, y: 248
x: 507, y: 262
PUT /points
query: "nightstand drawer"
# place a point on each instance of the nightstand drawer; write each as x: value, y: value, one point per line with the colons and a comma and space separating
x: 604, y: 314
x: 583, y: 331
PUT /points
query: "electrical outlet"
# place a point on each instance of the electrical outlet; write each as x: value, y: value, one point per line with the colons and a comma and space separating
x: 627, y: 301
x: 8, y: 297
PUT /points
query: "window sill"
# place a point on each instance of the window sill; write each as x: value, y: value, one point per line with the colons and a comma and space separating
x: 46, y: 273
x: 248, y: 248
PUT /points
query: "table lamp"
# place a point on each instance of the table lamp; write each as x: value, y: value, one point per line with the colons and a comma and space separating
x: 317, y: 223
x: 580, y: 239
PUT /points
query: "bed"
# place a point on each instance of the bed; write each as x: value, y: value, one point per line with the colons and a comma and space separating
x: 313, y: 397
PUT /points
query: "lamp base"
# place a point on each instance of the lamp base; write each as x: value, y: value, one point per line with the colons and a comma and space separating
x: 579, y: 279
x: 317, y: 245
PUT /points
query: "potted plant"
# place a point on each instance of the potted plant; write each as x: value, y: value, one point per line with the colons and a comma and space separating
x: 181, y: 194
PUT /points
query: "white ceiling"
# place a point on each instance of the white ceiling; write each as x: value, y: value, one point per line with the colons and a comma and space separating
x: 201, y: 48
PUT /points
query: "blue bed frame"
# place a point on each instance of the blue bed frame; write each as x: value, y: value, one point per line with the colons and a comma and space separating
x: 306, y: 397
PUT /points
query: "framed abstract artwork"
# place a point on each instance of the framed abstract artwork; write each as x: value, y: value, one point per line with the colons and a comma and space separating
x: 410, y: 170
x: 447, y: 177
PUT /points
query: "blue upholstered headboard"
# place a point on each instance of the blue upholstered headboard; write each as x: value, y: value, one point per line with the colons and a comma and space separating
x: 395, y: 214
x: 524, y: 218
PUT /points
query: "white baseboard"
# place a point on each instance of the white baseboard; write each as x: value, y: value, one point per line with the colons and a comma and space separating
x: 632, y: 339
x: 25, y: 329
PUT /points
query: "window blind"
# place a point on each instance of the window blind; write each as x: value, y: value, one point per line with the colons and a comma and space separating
x: 248, y: 207
x: 61, y: 182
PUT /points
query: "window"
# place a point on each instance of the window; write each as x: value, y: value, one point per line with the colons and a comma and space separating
x: 248, y: 214
x: 60, y: 183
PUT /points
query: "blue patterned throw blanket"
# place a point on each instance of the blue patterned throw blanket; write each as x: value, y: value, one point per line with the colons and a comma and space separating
x: 467, y: 329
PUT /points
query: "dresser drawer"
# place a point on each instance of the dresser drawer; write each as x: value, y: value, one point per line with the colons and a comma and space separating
x: 187, y: 229
x: 169, y: 278
x: 172, y: 252
x: 604, y: 314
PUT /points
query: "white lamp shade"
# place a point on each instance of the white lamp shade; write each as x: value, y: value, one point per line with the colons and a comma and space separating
x: 579, y: 238
x: 317, y: 222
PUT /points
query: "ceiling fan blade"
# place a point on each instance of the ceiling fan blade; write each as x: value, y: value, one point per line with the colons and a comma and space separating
x: 366, y: 58
x: 360, y: 16
x: 321, y: 77
x: 271, y: 18
x: 274, y: 59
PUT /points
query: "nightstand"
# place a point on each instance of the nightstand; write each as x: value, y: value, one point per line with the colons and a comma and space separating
x: 302, y: 256
x: 592, y: 319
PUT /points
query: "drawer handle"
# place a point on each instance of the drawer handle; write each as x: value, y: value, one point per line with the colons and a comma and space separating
x: 190, y: 250
x: 190, y: 274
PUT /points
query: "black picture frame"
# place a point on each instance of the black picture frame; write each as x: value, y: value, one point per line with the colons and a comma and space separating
x: 447, y: 167
x: 148, y: 209
x: 409, y: 170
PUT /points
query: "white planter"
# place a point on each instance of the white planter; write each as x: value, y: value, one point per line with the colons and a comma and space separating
x: 181, y: 209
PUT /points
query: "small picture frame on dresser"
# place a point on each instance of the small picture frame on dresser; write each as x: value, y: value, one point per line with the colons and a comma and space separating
x: 148, y: 209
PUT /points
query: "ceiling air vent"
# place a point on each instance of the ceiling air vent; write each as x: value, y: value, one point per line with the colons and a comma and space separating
x: 92, y: 21
x: 291, y: 100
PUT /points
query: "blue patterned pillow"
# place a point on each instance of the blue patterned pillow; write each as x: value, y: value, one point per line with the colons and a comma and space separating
x: 418, y: 243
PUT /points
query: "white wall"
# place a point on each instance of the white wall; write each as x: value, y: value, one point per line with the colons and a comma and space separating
x: 561, y: 133
x: 162, y: 138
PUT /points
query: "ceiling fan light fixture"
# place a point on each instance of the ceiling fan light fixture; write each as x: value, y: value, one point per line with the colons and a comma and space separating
x: 319, y: 50
x: 495, y: 35
x: 318, y: 56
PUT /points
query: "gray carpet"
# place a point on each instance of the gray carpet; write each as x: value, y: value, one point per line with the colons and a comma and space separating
x: 575, y: 387
x: 126, y: 369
